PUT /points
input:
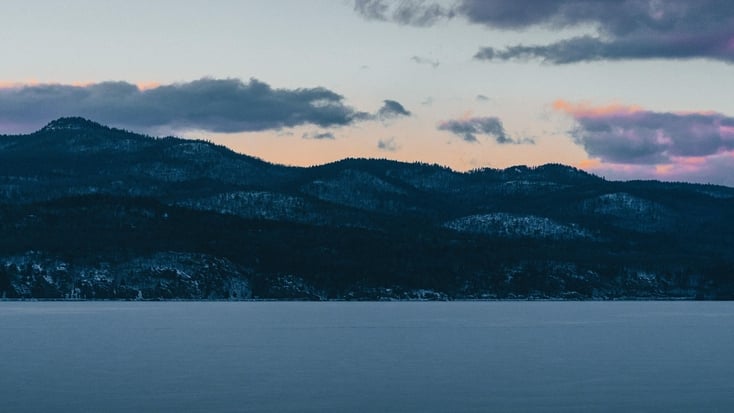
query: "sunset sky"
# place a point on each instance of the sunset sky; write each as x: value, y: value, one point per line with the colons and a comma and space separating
x: 628, y: 89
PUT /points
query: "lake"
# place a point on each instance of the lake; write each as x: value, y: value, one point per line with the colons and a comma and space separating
x: 363, y: 357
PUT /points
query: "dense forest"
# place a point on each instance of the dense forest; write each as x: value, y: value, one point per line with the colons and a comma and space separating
x: 90, y: 212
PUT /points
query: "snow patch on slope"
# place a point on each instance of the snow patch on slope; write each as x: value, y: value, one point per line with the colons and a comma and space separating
x: 517, y: 226
x: 256, y: 204
x: 628, y: 211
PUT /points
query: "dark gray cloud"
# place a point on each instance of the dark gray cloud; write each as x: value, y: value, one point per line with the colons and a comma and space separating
x: 625, y: 29
x: 426, y: 61
x: 469, y: 129
x: 389, y: 145
x: 613, y: 17
x: 391, y: 110
x: 318, y: 135
x: 587, y: 48
x: 644, y: 137
x: 408, y: 12
x: 216, y: 105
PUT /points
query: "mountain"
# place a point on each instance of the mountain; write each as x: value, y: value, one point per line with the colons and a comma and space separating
x: 88, y: 211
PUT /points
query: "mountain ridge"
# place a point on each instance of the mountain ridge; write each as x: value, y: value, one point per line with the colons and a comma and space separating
x: 74, y: 123
x: 105, y: 202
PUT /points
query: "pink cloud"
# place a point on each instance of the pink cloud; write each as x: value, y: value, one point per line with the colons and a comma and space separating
x: 626, y: 142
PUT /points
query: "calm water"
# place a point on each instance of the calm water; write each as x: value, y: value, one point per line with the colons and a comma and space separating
x: 300, y: 357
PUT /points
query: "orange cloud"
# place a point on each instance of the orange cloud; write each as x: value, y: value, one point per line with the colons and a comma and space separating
x: 81, y: 84
x: 147, y: 85
x: 663, y: 169
x: 13, y: 85
x: 690, y: 160
x: 586, y: 110
x: 697, y: 112
x: 32, y: 82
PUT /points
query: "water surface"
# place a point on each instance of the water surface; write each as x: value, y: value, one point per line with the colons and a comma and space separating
x: 339, y: 356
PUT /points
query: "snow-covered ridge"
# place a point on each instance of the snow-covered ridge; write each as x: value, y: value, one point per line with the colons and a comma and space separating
x: 517, y: 226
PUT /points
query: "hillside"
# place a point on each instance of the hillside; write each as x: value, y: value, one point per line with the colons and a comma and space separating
x: 88, y: 211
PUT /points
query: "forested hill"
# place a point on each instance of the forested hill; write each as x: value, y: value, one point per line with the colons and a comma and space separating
x: 88, y: 211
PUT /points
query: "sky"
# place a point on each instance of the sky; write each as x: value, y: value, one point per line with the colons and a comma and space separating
x: 625, y: 89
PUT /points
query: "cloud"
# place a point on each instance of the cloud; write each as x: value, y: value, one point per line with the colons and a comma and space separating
x: 482, y: 98
x: 389, y: 145
x: 426, y: 61
x: 628, y: 141
x: 631, y: 135
x: 318, y: 135
x: 408, y: 12
x: 468, y: 129
x: 715, y: 169
x: 215, y: 105
x: 391, y: 109
x: 624, y: 29
x: 587, y: 48
x: 618, y: 18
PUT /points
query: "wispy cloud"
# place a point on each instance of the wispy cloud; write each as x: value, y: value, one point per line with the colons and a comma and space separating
x: 426, y: 61
x: 408, y: 12
x: 216, y: 105
x: 318, y: 135
x: 469, y: 129
x: 389, y: 145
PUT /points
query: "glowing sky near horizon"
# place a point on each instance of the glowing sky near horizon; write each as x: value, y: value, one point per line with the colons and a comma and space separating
x: 632, y: 107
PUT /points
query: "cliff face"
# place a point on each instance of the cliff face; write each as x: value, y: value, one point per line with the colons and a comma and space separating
x: 89, y: 211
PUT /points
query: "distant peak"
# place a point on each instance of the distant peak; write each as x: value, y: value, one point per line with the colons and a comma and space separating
x: 71, y: 123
